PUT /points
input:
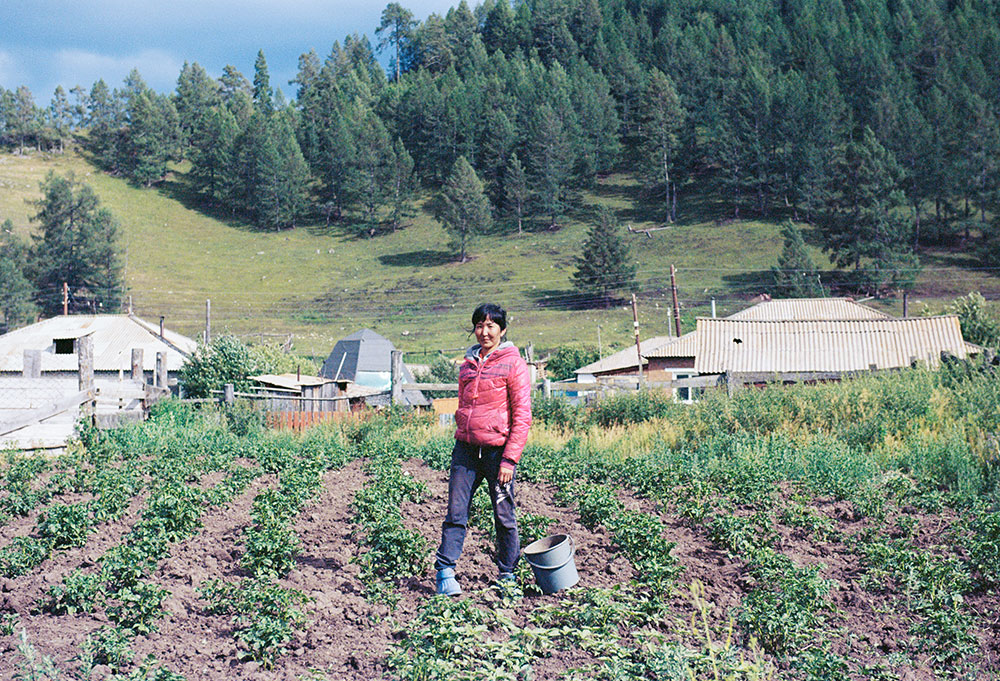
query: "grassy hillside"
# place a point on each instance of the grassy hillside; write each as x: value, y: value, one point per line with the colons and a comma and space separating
x: 321, y: 283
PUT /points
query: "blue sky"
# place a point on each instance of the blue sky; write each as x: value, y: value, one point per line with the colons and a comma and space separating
x: 44, y: 43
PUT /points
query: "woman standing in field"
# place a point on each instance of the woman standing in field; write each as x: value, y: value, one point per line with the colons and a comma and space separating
x: 493, y: 417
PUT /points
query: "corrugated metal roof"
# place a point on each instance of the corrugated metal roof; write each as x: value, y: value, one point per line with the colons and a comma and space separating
x: 676, y: 347
x: 809, y: 308
x: 626, y: 358
x: 752, y: 346
x: 114, y: 338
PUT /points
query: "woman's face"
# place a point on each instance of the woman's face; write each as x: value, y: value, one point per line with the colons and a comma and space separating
x: 488, y: 333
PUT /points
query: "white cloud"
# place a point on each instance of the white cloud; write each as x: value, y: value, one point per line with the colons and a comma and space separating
x: 81, y: 67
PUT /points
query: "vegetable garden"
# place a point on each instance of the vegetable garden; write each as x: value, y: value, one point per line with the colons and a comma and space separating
x: 814, y: 532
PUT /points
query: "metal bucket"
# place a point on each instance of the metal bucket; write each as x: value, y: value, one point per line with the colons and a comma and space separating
x: 551, y: 560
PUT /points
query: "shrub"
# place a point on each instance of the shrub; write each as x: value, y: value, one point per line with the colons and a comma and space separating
x: 567, y: 359
x: 441, y: 370
x: 628, y: 408
x: 227, y: 359
x: 557, y: 411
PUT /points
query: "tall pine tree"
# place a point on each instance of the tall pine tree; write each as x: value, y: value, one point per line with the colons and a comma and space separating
x: 76, y: 246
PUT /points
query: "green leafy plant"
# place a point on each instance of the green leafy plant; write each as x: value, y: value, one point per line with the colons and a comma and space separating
x: 23, y: 555
x: 110, y: 646
x: 65, y: 526
x: 78, y: 592
x: 266, y: 615
x: 137, y: 607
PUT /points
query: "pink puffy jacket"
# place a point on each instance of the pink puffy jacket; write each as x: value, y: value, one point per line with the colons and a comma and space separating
x: 494, y: 401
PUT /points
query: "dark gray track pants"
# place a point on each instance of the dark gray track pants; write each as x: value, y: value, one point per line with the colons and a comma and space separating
x: 470, y: 465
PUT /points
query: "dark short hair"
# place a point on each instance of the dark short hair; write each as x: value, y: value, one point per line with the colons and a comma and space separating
x: 492, y: 312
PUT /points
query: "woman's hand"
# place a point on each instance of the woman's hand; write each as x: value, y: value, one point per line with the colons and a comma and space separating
x: 505, y: 475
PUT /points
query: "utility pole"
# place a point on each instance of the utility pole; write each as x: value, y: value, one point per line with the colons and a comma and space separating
x: 65, y: 298
x: 600, y: 349
x: 906, y: 304
x: 638, y: 348
x: 208, y: 321
x: 677, y: 309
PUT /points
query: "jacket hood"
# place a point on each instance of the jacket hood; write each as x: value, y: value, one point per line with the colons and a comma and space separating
x: 504, y: 347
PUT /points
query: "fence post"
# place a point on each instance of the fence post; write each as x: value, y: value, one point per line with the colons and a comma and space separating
x: 733, y: 384
x: 85, y: 360
x: 397, y: 376
x: 546, y: 388
x: 32, y: 367
x: 137, y: 373
x: 228, y: 394
x: 161, y: 370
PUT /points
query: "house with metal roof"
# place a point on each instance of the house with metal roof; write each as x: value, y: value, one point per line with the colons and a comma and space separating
x: 114, y: 338
x: 40, y: 367
x: 365, y: 358
x: 758, y: 349
x: 803, y: 332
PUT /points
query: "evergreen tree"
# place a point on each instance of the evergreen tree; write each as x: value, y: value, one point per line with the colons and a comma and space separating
x: 287, y: 184
x: 105, y: 118
x: 16, y: 292
x: 498, y: 28
x: 263, y: 95
x: 497, y: 140
x: 234, y: 88
x: 25, y: 118
x: 433, y: 47
x: 80, y: 106
x: 551, y: 164
x: 598, y: 144
x: 795, y: 275
x: 213, y: 142
x: 60, y: 117
x: 462, y: 207
x: 461, y: 26
x: 254, y: 161
x: 150, y: 138
x: 516, y: 190
x: 76, y: 246
x: 603, y: 267
x: 401, y: 178
x: 396, y: 30
x: 6, y: 116
x: 195, y: 96
x: 270, y: 177
x: 661, y: 137
x: 862, y: 226
x: 369, y: 183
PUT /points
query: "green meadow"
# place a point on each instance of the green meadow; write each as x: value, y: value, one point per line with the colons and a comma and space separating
x: 319, y: 283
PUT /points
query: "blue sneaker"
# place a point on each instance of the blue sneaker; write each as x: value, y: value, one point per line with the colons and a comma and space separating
x: 447, y: 585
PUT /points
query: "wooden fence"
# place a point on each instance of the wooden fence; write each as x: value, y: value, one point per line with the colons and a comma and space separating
x: 40, y: 410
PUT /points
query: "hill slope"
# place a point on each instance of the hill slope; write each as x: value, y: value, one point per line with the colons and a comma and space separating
x: 319, y: 283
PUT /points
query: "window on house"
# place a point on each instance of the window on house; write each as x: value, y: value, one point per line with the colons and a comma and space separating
x: 65, y: 346
x: 683, y: 394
